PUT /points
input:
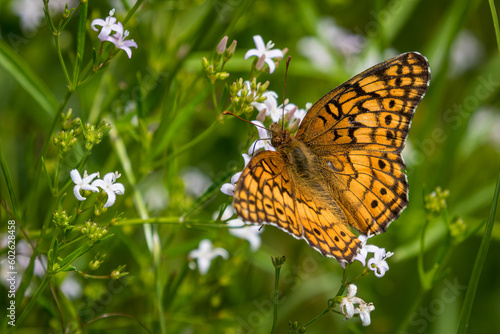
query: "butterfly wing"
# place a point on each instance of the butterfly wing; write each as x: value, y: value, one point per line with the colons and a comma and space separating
x: 267, y: 193
x: 358, y: 131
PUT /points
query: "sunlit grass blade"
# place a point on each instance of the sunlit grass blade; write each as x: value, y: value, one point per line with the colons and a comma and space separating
x: 478, y: 264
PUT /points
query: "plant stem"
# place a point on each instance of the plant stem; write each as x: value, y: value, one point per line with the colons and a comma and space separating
x: 277, y: 262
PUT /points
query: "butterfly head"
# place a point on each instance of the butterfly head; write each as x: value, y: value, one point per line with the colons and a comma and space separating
x: 279, y: 136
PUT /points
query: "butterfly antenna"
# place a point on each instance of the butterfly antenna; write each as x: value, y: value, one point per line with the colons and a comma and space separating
x: 284, y: 88
x: 242, y: 119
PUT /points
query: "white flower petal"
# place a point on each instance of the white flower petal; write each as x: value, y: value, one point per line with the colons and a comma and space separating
x: 251, y: 53
x: 75, y: 176
x: 227, y: 189
x: 259, y: 43
x: 204, y: 265
x: 271, y: 64
x: 274, y: 54
x: 111, y: 199
x: 235, y: 177
x: 76, y: 192
x: 117, y: 188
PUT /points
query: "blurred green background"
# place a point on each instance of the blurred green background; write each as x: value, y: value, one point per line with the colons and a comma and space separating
x: 181, y: 151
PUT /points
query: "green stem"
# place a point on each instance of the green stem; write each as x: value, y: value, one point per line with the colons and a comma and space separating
x: 277, y: 270
x: 316, y: 318
x: 61, y: 59
x: 421, y: 269
x: 214, y: 99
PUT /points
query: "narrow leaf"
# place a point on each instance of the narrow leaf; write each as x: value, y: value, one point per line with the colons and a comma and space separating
x: 25, y: 76
x: 478, y: 265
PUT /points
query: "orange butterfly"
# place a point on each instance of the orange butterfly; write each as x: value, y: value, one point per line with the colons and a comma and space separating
x: 343, y: 168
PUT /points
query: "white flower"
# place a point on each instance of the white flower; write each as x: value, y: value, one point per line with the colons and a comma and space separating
x: 347, y: 303
x: 250, y: 233
x: 365, y: 249
x: 348, y: 309
x: 108, y: 25
x: 378, y: 264
x: 264, y: 141
x: 228, y: 188
x: 82, y: 184
x: 240, y: 229
x: 301, y: 113
x: 364, y: 313
x: 270, y: 103
x: 264, y: 50
x: 110, y: 187
x: 205, y: 254
x: 119, y: 41
x: 271, y: 107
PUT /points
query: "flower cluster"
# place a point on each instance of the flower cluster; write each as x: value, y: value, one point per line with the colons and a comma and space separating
x: 377, y: 263
x: 244, y: 94
x: 62, y: 220
x: 347, y: 306
x: 109, y: 25
x: 107, y: 184
x: 221, y: 57
x: 93, y: 232
x: 435, y: 202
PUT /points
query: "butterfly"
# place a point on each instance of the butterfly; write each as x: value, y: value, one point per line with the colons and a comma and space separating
x: 343, y: 168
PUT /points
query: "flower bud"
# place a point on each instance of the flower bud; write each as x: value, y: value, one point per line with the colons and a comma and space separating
x: 221, y: 47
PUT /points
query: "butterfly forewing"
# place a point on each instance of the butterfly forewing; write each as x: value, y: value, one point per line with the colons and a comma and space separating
x: 358, y: 131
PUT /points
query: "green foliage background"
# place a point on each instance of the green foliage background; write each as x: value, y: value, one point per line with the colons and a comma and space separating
x: 178, y: 126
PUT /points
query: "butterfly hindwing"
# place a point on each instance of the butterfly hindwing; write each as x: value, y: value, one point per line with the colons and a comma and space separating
x: 268, y: 193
